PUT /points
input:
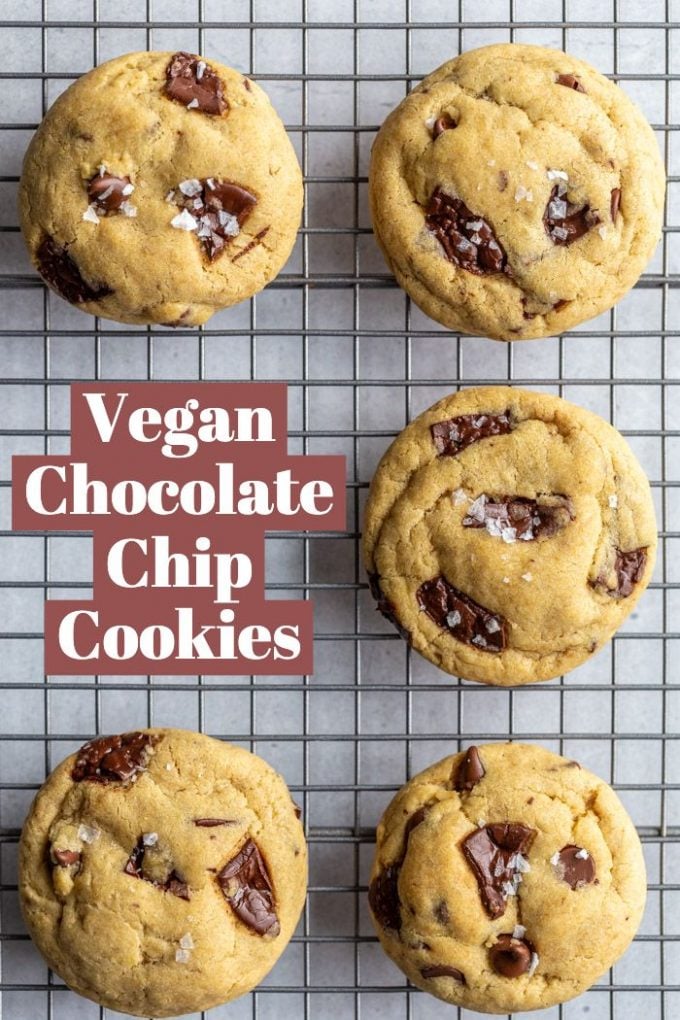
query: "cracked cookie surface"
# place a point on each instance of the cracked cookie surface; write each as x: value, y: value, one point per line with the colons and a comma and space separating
x: 160, y: 188
x: 516, y: 192
x: 508, y: 534
x: 163, y: 872
x: 506, y: 878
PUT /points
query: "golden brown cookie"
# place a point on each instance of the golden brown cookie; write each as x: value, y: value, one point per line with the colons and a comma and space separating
x: 508, y: 534
x: 506, y: 878
x: 160, y: 188
x: 516, y: 192
x: 162, y: 872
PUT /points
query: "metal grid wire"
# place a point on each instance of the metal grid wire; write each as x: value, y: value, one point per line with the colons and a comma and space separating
x: 360, y: 361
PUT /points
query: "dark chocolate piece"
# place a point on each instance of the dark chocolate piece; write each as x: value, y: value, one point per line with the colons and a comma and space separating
x: 575, y: 866
x: 211, y: 823
x: 615, y: 203
x: 220, y: 208
x: 455, y: 434
x: 442, y: 124
x: 510, y: 957
x: 192, y: 82
x: 106, y: 192
x: 384, y: 605
x: 57, y: 268
x: 517, y: 517
x: 468, y: 240
x: 469, y: 771
x: 442, y: 970
x: 564, y: 222
x: 464, y: 618
x: 64, y: 858
x: 628, y: 568
x: 496, y: 854
x: 253, y: 243
x: 113, y: 759
x: 246, y: 885
x: 383, y: 898
x: 135, y: 868
x: 570, y: 82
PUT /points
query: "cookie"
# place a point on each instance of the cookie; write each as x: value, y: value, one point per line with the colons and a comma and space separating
x: 508, y: 534
x: 160, y: 188
x: 162, y: 872
x: 516, y: 192
x: 506, y: 878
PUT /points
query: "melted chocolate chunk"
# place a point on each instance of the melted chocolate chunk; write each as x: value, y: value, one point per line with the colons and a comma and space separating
x: 442, y: 124
x: 515, y: 518
x: 385, y: 606
x: 462, y: 616
x: 564, y: 222
x: 65, y: 858
x: 258, y: 239
x: 211, y: 823
x: 575, y: 866
x: 469, y: 771
x: 415, y: 819
x: 191, y: 82
x: 442, y: 970
x: 219, y: 209
x: 113, y: 759
x: 455, y: 434
x: 107, y: 192
x: 615, y: 203
x: 570, y: 82
x: 246, y: 885
x: 57, y: 268
x: 383, y: 898
x: 628, y: 570
x: 510, y: 957
x: 135, y: 868
x: 468, y: 240
x: 496, y: 855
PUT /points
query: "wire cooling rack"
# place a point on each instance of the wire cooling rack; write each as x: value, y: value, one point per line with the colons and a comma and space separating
x: 360, y: 361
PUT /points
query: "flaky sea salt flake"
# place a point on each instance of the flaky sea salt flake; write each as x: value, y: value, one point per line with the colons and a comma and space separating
x: 519, y: 931
x: 182, y: 956
x: 190, y: 187
x: 128, y: 209
x: 184, y: 221
x: 200, y: 69
x: 90, y: 215
x: 149, y: 838
x: 453, y: 619
x: 557, y: 175
x: 128, y: 189
x: 458, y: 496
x: 87, y: 834
x: 186, y: 941
x: 582, y: 854
x: 523, y: 194
x: 613, y: 502
x: 555, y: 860
x: 192, y: 105
x: 533, y: 965
x: 532, y: 165
x: 492, y: 625
x: 527, y: 576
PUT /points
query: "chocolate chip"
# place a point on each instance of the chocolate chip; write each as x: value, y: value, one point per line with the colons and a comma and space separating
x: 455, y: 434
x: 135, y: 868
x: 559, y: 305
x: 468, y: 240
x: 444, y: 123
x: 564, y: 222
x: 191, y: 82
x: 615, y: 203
x: 385, y: 606
x: 246, y: 885
x: 442, y: 970
x: 383, y: 898
x: 297, y: 809
x: 575, y: 866
x: 503, y: 180
x: 219, y: 209
x: 462, y: 616
x: 628, y: 570
x: 496, y: 855
x: 65, y: 858
x: 105, y: 192
x: 111, y: 759
x: 570, y: 82
x: 259, y: 237
x: 57, y: 268
x: 514, y: 518
x: 469, y: 771
x: 510, y: 957
x: 211, y: 823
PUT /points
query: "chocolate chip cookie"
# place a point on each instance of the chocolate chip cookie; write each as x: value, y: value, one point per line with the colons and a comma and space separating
x: 162, y: 872
x: 159, y: 188
x: 508, y: 534
x: 516, y: 192
x: 506, y: 878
